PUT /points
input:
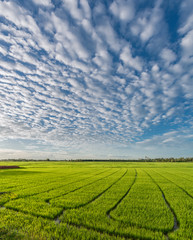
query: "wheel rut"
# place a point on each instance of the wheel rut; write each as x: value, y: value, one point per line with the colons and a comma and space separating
x: 176, y: 222
x: 35, y: 194
x: 187, y: 193
x: 128, y: 236
x: 1, y: 193
x: 57, y: 219
x: 178, y: 176
x: 108, y: 213
x: 81, y: 186
x: 45, y: 184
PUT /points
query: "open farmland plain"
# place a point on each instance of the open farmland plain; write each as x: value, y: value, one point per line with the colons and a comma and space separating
x: 96, y: 200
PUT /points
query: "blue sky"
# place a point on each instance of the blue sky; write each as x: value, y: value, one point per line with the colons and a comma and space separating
x: 96, y: 79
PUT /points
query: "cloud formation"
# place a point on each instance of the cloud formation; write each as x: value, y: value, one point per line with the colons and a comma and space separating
x: 76, y: 74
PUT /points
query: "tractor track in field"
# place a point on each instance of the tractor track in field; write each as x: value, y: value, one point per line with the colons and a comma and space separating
x: 187, y: 193
x: 57, y: 219
x: 169, y: 173
x: 35, y: 194
x: 68, y: 184
x: 83, y: 185
x: 108, y: 213
x: 136, y: 225
x: 61, y: 212
x: 128, y: 236
x: 43, y: 184
x: 62, y: 178
x: 4, y: 189
x: 50, y: 182
x: 100, y: 194
x: 186, y: 174
x: 176, y: 222
x: 47, y: 191
x: 101, y: 230
x: 1, y: 193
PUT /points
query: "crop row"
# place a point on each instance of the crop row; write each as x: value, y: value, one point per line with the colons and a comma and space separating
x: 95, y: 215
x: 98, y: 203
x: 27, y: 190
x: 180, y: 201
x: 145, y: 206
x: 37, y: 206
x: 17, y: 225
x: 22, y: 182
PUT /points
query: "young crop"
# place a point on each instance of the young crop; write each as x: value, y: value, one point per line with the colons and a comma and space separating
x: 89, y: 200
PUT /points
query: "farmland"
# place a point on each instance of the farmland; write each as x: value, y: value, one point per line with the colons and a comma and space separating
x: 103, y: 200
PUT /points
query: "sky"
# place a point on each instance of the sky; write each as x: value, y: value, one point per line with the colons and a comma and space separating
x: 96, y: 79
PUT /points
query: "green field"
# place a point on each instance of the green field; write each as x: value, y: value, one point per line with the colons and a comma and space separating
x: 96, y: 200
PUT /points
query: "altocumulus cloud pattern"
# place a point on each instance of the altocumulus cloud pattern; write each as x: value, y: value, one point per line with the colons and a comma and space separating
x: 101, y: 79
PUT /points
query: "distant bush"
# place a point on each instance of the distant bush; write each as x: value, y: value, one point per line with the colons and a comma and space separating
x: 8, y: 167
x: 181, y: 159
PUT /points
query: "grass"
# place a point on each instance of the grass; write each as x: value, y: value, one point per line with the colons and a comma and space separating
x: 89, y: 200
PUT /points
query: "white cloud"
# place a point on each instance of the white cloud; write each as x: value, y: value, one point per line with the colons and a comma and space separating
x: 124, y: 10
x: 187, y: 85
x: 187, y: 43
x: 109, y: 35
x: 47, y: 3
x: 148, y: 22
x: 73, y: 9
x: 187, y: 26
x: 168, y: 55
x: 166, y: 145
x: 18, y: 16
x: 68, y: 76
x: 3, y: 51
x: 128, y: 59
x: 86, y: 9
x: 22, y: 19
x: 186, y: 16
x: 68, y: 40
